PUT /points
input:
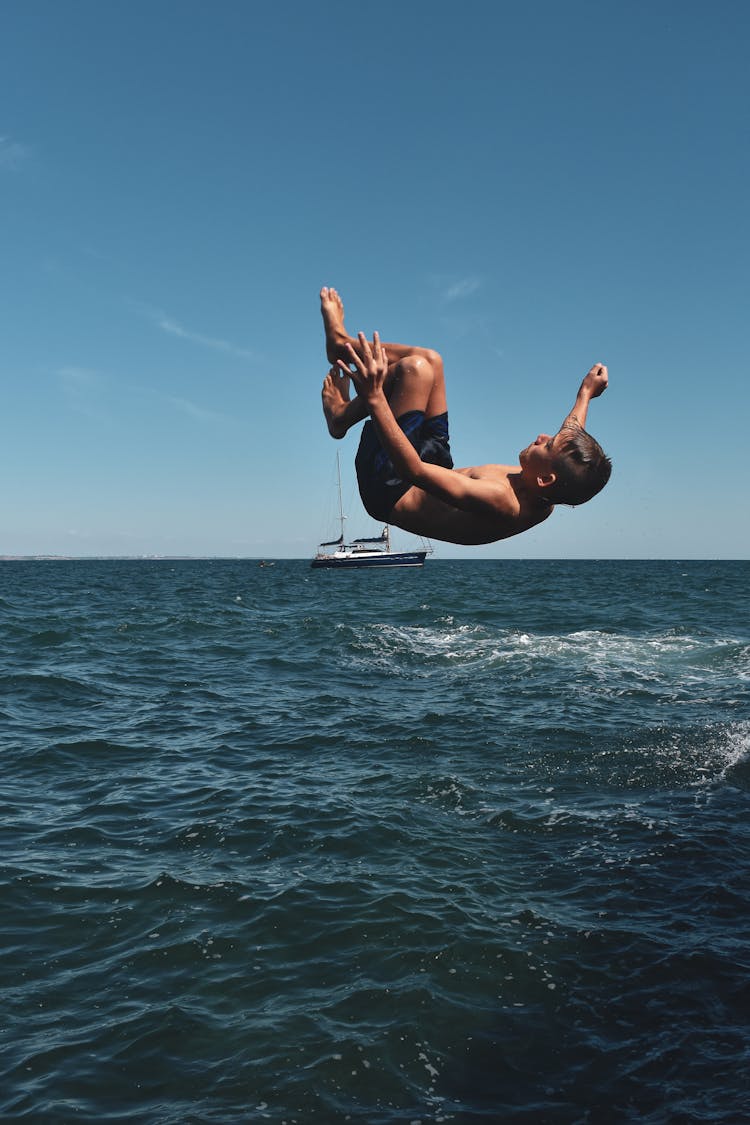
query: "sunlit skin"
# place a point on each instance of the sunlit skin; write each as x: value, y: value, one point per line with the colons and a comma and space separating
x: 538, y: 455
x: 473, y: 505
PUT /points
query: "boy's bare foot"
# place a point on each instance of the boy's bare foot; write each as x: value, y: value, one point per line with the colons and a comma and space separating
x: 332, y: 310
x: 335, y: 395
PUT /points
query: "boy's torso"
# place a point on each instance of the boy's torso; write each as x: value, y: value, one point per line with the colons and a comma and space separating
x: 419, y: 512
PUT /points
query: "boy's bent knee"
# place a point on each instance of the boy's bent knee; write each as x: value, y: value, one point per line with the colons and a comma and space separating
x: 433, y: 358
x: 414, y: 381
x: 417, y: 366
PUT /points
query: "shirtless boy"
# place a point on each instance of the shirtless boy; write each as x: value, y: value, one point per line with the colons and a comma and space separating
x: 404, y: 465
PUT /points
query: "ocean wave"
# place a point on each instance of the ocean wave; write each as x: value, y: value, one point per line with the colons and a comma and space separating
x: 644, y: 655
x: 41, y: 687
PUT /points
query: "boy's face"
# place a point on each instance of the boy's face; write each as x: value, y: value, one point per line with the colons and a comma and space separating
x: 544, y: 450
x: 537, y: 457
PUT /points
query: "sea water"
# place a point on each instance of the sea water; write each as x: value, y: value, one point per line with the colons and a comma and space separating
x: 468, y: 843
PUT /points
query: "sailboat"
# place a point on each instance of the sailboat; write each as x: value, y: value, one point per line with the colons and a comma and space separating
x: 373, y: 551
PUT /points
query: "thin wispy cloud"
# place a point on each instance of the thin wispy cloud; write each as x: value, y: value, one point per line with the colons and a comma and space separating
x: 12, y: 154
x: 464, y: 287
x: 86, y: 389
x: 450, y: 288
x: 83, y: 389
x: 79, y: 378
x: 199, y: 413
x: 174, y: 328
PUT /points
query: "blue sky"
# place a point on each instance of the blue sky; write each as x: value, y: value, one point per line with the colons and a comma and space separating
x: 527, y: 187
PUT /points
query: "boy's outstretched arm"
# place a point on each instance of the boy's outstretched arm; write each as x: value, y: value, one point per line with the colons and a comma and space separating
x: 594, y: 384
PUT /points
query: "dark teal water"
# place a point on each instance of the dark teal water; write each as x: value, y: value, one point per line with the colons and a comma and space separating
x: 463, y: 845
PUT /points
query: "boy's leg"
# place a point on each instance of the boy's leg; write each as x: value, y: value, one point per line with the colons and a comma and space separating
x: 415, y: 379
x: 332, y: 310
x: 416, y: 383
x: 341, y: 411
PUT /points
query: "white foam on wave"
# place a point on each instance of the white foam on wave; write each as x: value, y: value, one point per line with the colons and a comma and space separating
x: 731, y: 747
x: 700, y: 763
x: 704, y: 756
x: 642, y: 657
x: 444, y: 643
x: 696, y: 758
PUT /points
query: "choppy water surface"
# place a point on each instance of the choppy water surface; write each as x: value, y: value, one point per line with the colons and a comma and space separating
x: 463, y: 845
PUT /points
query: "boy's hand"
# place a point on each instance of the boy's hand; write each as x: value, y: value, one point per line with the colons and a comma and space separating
x: 595, y: 382
x: 370, y: 369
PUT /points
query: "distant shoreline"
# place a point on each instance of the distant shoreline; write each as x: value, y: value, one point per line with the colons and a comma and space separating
x: 303, y: 558
x: 130, y: 558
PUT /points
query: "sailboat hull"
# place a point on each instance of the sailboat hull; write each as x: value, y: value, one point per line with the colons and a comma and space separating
x: 357, y: 560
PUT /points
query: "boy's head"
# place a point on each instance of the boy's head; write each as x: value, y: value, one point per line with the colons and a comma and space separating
x: 580, y: 465
x: 568, y: 468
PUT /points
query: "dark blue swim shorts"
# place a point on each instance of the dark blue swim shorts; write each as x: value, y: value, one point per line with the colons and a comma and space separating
x: 379, y: 486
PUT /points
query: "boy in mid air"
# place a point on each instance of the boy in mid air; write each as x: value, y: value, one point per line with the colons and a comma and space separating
x: 404, y: 464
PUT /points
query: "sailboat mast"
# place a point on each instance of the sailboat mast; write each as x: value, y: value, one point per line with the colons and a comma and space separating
x: 342, y: 517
